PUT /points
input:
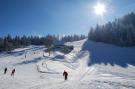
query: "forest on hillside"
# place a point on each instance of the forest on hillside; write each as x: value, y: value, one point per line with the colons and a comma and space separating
x: 120, y: 32
x: 9, y: 43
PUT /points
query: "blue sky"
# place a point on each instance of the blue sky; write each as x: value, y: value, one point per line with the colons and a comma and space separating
x: 41, y: 17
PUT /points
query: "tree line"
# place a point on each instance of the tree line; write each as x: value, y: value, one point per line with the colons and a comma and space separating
x: 9, y: 43
x: 71, y: 38
x: 119, y: 32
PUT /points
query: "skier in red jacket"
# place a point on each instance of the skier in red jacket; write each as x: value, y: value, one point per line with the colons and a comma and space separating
x: 13, y: 72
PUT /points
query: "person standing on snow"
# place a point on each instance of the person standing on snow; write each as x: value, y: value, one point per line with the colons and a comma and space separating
x: 13, y: 72
x: 65, y: 74
x: 5, y: 70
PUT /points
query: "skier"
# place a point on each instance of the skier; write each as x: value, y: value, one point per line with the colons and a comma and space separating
x: 13, y: 72
x: 25, y: 55
x: 5, y: 70
x: 65, y: 74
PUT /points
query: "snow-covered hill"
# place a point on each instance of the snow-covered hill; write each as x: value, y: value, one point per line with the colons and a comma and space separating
x: 110, y: 67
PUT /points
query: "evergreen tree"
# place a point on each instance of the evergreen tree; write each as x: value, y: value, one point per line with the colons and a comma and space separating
x: 119, y: 32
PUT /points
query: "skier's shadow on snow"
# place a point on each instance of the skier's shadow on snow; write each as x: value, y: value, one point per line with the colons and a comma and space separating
x: 109, y: 54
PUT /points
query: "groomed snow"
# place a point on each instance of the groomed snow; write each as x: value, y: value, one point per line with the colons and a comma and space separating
x: 45, y: 72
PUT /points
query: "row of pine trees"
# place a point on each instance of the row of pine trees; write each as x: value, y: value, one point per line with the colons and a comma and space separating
x: 9, y: 43
x: 120, y: 32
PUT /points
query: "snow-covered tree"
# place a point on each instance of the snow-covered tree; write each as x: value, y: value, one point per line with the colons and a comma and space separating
x: 119, y: 32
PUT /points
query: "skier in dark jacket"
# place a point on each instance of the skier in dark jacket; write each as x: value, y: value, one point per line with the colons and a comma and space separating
x: 5, y: 70
x: 65, y: 74
x: 13, y: 72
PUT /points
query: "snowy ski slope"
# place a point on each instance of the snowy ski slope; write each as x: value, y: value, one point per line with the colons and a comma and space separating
x: 45, y: 72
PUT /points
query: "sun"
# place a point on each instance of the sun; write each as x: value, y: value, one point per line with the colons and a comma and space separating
x: 100, y: 9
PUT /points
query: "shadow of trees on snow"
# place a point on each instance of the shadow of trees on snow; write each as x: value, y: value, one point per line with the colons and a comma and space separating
x: 109, y: 54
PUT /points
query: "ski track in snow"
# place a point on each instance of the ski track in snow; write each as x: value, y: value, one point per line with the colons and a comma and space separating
x: 38, y: 72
